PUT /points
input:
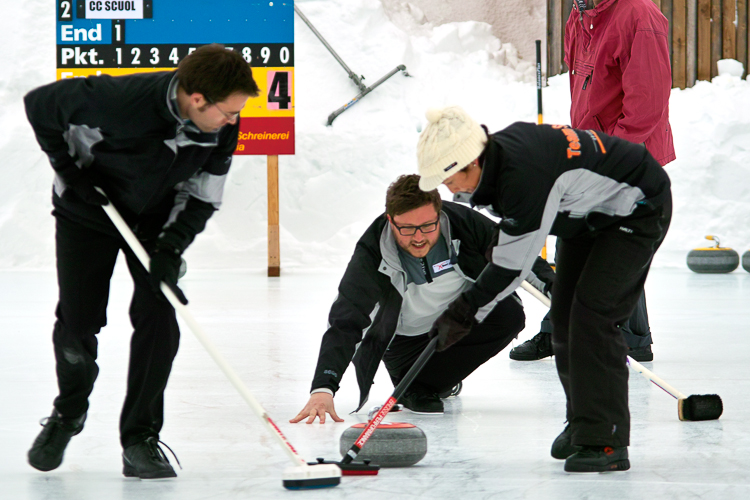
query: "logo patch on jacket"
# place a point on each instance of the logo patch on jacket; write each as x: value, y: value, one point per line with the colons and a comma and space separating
x: 450, y: 166
x: 441, y: 266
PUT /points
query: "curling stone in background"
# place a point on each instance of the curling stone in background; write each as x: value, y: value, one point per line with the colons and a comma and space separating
x: 391, y: 445
x: 746, y: 261
x: 713, y: 259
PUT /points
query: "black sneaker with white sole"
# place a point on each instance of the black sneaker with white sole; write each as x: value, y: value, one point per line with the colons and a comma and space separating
x: 146, y: 460
x: 46, y: 453
x: 641, y: 354
x: 598, y: 459
x: 538, y: 347
x: 419, y: 399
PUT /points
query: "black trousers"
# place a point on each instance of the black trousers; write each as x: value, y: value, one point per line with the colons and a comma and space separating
x: 599, y: 279
x: 85, y: 261
x: 636, y: 331
x: 446, y: 369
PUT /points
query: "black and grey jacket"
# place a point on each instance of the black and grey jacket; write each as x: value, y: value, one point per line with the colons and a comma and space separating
x: 365, y: 314
x: 127, y: 133
x: 544, y: 179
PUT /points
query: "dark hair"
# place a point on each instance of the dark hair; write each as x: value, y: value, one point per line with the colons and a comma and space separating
x: 404, y: 195
x: 216, y: 73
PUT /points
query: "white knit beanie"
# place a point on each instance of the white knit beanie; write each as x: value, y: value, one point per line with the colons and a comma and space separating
x: 450, y: 142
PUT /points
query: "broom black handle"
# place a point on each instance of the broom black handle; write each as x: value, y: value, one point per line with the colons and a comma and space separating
x: 540, y: 120
x: 397, y: 393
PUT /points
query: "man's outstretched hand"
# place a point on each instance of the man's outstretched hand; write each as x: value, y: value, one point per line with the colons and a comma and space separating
x: 319, y: 404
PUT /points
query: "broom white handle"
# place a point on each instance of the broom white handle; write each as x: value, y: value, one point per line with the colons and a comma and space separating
x: 635, y: 365
x: 183, y: 311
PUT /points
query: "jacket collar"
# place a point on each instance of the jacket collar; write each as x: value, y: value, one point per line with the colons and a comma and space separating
x: 491, y: 161
x: 389, y: 246
x: 603, y: 5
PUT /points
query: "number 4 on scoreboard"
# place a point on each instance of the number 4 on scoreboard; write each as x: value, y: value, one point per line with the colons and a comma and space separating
x: 278, y: 91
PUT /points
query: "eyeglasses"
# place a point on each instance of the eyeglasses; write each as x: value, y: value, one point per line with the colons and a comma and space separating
x: 429, y: 227
x: 228, y: 116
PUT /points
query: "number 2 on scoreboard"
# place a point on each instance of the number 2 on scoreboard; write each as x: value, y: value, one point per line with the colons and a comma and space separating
x: 278, y: 90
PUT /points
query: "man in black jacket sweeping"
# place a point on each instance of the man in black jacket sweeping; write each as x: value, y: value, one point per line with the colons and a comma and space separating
x: 609, y: 203
x: 409, y: 265
x: 160, y: 146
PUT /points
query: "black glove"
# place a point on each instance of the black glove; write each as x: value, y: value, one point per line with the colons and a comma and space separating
x: 77, y: 182
x: 544, y: 272
x: 454, y: 324
x: 165, y: 267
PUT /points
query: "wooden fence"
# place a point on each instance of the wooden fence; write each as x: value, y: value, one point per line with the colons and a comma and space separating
x: 700, y: 33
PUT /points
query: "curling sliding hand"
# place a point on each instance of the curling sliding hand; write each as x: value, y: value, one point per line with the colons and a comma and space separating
x: 454, y: 324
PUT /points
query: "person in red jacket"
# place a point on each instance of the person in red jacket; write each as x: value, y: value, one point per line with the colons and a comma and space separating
x: 620, y: 80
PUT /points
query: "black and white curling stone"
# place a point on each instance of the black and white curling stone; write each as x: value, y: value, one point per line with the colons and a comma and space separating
x: 392, y: 444
x: 713, y: 259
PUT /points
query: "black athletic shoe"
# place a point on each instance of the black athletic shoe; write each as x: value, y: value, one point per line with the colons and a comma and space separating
x: 641, y: 354
x: 421, y: 400
x: 598, y: 459
x: 538, y: 347
x: 49, y: 446
x: 147, y: 460
x: 454, y: 391
x: 562, y: 447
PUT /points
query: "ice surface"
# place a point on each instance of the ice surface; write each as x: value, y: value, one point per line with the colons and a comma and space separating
x: 492, y: 442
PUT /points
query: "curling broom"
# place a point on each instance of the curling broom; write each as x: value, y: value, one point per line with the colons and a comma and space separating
x: 299, y: 476
x: 689, y: 408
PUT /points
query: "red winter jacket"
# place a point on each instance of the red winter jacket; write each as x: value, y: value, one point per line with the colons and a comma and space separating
x: 620, y: 74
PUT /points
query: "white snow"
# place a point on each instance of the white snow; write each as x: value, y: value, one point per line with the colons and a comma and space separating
x: 334, y: 186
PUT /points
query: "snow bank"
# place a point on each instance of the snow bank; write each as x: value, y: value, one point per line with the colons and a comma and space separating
x: 334, y: 186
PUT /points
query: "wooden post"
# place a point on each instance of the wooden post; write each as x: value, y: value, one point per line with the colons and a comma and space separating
x: 679, y: 43
x: 717, y: 34
x: 742, y: 39
x: 666, y: 8
x: 691, y: 51
x: 728, y: 32
x: 704, y: 40
x: 555, y: 33
x: 274, y: 248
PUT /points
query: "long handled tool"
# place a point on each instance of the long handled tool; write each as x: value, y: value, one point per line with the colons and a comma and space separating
x: 301, y: 475
x: 397, y: 393
x: 364, y: 89
x: 540, y: 119
x: 689, y: 408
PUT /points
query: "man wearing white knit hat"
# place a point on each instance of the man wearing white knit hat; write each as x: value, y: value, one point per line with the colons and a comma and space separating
x: 609, y: 203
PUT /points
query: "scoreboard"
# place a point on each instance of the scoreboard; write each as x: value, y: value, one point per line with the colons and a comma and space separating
x: 119, y: 37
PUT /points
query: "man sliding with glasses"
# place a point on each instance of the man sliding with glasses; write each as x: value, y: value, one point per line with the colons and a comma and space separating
x: 409, y: 265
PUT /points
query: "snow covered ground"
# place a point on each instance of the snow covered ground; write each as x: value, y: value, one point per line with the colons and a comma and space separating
x: 335, y: 184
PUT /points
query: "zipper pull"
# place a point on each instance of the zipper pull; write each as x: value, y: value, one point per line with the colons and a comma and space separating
x: 586, y: 82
